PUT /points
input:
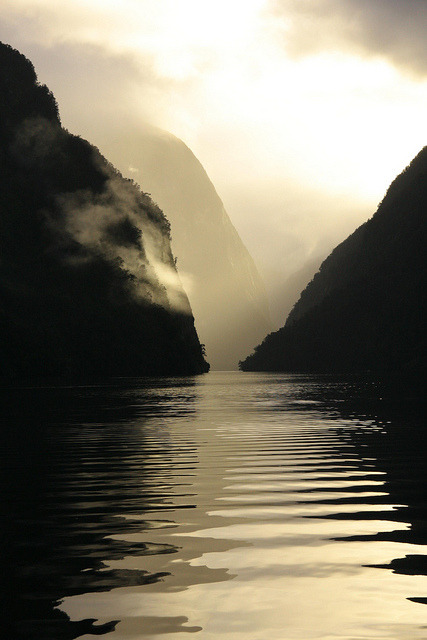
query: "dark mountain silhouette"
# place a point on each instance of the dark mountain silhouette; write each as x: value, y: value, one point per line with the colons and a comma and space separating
x: 88, y: 283
x: 365, y: 308
x: 222, y: 282
x: 290, y: 289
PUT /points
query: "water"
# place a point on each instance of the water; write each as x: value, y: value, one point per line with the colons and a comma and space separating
x: 233, y: 506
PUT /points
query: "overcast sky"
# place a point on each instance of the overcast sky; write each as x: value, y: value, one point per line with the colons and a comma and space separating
x: 301, y: 111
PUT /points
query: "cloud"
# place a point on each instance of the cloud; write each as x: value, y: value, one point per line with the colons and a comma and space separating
x: 395, y: 30
x: 119, y: 223
x: 243, y: 85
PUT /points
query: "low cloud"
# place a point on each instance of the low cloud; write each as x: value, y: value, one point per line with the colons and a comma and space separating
x: 269, y: 119
x: 394, y: 30
x: 119, y: 223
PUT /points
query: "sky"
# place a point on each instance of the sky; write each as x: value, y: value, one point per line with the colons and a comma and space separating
x: 301, y: 111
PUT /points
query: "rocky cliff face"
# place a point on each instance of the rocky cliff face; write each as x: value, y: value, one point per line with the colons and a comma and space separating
x: 225, y: 290
x: 88, y: 282
x: 365, y: 308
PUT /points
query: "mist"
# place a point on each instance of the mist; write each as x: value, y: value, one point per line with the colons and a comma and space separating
x: 300, y: 142
x: 207, y: 201
x: 260, y: 119
x: 120, y: 222
x: 218, y: 274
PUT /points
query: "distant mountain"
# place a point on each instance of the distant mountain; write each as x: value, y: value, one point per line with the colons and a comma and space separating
x: 88, y: 283
x: 225, y: 290
x: 365, y: 308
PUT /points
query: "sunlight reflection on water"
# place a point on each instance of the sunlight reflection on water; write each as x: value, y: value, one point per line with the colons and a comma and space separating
x: 251, y: 507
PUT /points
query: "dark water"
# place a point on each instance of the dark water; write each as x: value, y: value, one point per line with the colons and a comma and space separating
x: 233, y: 506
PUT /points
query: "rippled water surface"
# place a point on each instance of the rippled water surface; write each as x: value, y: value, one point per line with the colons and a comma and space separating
x: 232, y: 505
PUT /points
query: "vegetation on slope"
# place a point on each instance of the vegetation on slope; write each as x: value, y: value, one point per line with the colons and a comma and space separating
x: 88, y: 283
x: 224, y: 287
x: 364, y: 310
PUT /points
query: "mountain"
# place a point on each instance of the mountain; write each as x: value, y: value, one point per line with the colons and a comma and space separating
x: 365, y: 308
x: 287, y: 295
x: 88, y: 283
x: 224, y: 287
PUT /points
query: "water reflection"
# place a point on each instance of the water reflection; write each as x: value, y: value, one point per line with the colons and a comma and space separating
x: 395, y: 441
x: 234, y: 505
x: 76, y: 472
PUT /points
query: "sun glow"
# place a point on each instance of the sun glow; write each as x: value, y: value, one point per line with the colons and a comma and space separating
x: 220, y: 76
x: 337, y: 121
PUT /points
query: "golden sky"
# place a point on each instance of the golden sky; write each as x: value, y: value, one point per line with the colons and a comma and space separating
x: 301, y: 111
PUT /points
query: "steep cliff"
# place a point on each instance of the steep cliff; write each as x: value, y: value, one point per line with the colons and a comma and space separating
x: 365, y: 308
x: 225, y: 290
x: 88, y: 282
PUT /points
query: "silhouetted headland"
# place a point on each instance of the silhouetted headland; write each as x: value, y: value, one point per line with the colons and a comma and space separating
x: 364, y: 310
x: 224, y: 287
x: 88, y: 282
